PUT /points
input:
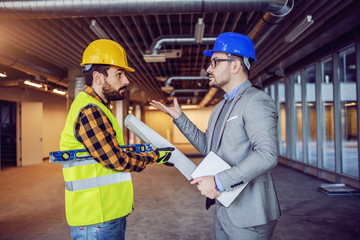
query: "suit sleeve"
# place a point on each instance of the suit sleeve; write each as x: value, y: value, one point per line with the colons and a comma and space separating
x: 260, y: 122
x: 196, y: 137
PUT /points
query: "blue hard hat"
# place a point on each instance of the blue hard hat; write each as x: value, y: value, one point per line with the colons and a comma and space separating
x: 234, y: 43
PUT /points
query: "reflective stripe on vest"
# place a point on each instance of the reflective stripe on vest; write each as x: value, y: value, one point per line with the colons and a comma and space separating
x: 97, y: 181
x: 78, y: 163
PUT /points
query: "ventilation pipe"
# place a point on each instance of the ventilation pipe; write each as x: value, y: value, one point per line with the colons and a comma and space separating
x: 29, y: 64
x: 210, y: 94
x: 35, y: 9
x: 168, y: 88
x: 269, y: 22
x: 187, y: 90
x: 178, y: 40
x: 184, y: 78
x: 79, y: 8
x: 155, y: 49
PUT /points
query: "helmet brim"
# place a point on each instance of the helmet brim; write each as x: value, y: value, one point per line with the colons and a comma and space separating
x: 211, y: 52
x: 208, y: 53
x: 129, y: 69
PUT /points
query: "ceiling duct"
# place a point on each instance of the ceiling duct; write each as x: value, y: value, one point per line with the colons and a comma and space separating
x: 37, y: 9
x: 29, y: 64
x: 195, y: 91
x: 168, y: 88
x: 210, y: 94
x: 78, y: 8
x: 156, y: 54
x: 269, y: 22
x: 184, y: 78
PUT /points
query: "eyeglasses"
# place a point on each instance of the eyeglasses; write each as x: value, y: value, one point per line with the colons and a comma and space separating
x: 214, y: 61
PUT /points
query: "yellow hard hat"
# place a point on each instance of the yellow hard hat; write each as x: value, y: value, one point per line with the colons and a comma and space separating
x: 104, y: 51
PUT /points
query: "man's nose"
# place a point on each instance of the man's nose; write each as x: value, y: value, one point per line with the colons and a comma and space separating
x: 126, y: 81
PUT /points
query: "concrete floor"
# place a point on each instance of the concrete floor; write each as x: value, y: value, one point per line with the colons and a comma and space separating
x: 167, y: 207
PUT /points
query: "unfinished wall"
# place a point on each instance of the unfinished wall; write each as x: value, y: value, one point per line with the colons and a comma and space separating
x: 54, y: 113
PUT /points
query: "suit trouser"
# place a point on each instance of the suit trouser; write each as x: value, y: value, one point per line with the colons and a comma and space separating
x: 226, y: 230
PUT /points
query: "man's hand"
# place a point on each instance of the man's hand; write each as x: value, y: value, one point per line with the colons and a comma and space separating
x: 207, y: 186
x: 173, y: 112
x: 164, y: 155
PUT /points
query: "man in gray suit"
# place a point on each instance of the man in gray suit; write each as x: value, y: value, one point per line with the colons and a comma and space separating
x: 242, y: 130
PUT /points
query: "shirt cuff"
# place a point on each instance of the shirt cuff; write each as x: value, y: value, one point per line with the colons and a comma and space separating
x: 219, y: 186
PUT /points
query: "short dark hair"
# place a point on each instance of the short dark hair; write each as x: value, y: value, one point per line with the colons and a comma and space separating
x: 101, y: 68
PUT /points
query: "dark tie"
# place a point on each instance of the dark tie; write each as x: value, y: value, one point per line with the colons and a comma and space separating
x: 209, y: 202
x: 215, y: 138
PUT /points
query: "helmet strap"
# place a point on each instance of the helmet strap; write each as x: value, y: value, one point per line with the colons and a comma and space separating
x: 245, y: 59
x: 86, y: 67
x: 247, y: 63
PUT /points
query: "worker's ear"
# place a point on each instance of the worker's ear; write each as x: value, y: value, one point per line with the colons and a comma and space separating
x: 97, y: 78
x: 236, y: 66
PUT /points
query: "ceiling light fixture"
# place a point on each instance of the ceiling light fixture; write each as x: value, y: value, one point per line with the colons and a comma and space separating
x: 299, y: 29
x: 167, y: 89
x: 162, y: 55
x: 154, y: 58
x: 3, y: 75
x: 96, y: 28
x: 199, y: 30
x: 37, y: 85
x: 57, y: 91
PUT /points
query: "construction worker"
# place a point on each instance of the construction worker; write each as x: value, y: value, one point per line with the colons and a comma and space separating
x: 242, y: 130
x: 99, y: 192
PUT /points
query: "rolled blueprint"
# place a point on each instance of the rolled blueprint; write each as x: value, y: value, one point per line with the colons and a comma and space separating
x: 147, y: 135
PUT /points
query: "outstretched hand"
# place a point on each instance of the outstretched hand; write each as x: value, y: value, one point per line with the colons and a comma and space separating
x: 173, y: 112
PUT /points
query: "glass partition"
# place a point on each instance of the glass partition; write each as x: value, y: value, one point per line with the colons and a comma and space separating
x: 298, y: 117
x: 306, y: 108
x: 327, y: 107
x: 350, y: 164
x: 282, y: 118
x: 311, y: 121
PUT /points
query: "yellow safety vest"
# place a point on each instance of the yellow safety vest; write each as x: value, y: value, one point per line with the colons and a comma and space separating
x: 93, y: 193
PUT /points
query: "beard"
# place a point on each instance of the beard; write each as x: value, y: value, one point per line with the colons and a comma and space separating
x: 111, y: 94
x: 220, y: 80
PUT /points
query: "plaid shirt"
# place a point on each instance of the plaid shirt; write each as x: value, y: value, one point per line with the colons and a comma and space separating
x: 94, y: 130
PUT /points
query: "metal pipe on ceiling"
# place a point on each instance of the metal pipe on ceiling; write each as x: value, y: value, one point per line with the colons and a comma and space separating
x: 183, y: 78
x: 28, y: 9
x: 34, y: 9
x: 175, y: 39
x: 269, y: 22
x: 20, y: 60
x: 187, y: 90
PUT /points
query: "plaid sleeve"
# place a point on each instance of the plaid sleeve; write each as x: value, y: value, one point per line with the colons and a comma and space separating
x: 94, y: 130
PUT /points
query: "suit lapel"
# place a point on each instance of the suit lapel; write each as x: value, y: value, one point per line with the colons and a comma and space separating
x: 241, y: 91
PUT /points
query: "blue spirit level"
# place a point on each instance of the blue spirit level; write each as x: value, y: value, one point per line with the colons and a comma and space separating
x: 82, y: 154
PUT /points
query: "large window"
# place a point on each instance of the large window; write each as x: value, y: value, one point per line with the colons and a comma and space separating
x: 327, y: 112
x: 350, y: 164
x: 311, y: 109
x: 316, y: 134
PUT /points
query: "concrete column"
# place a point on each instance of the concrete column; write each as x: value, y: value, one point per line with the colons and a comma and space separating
x: 119, y: 114
x: 138, y: 115
x: 75, y: 85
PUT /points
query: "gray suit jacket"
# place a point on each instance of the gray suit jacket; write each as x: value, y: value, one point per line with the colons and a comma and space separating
x: 248, y: 143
